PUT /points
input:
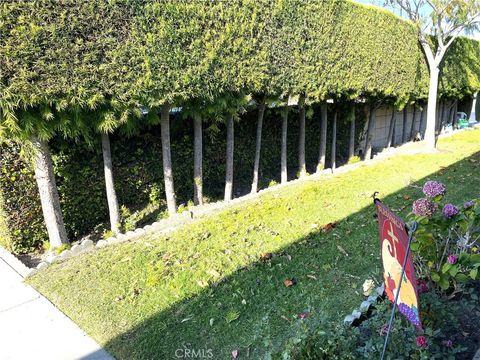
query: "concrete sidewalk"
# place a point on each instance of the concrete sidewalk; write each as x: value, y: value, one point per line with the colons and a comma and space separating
x: 32, y: 328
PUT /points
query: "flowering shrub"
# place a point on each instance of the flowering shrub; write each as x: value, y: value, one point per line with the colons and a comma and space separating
x: 441, y: 338
x: 446, y: 245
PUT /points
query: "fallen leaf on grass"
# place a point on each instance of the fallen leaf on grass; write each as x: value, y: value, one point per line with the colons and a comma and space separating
x: 285, y: 318
x: 406, y: 197
x: 289, y: 282
x: 265, y: 256
x: 342, y: 250
x: 312, y: 277
x: 302, y: 315
x: 329, y: 227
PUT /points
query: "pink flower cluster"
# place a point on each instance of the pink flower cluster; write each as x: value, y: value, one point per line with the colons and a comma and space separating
x: 422, y: 341
x: 434, y: 188
x: 424, y: 207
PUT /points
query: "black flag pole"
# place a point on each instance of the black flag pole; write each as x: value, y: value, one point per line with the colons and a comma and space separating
x: 411, y: 232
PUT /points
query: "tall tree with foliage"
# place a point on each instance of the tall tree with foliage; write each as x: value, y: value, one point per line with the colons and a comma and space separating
x: 439, y: 23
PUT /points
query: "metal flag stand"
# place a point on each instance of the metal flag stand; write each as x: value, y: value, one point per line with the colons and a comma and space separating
x: 412, y: 230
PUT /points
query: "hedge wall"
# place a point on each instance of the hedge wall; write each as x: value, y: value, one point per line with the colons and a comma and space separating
x: 139, y: 175
x: 59, y: 55
x: 70, y: 68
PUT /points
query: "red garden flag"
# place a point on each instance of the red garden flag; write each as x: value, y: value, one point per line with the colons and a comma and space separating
x: 394, y: 244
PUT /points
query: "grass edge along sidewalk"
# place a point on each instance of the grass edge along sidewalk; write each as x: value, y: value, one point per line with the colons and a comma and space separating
x: 220, y: 283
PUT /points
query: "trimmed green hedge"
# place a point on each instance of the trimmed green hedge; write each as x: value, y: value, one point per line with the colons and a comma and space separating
x: 72, y: 67
x: 128, y: 52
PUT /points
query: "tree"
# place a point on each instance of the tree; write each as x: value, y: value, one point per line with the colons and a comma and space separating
x: 334, y: 141
x: 229, y: 157
x: 47, y: 189
x: 167, y: 159
x: 445, y: 20
x: 372, y: 109
x: 390, y: 138
x: 258, y: 145
x: 284, y: 175
x: 302, y: 170
x: 323, y: 138
x: 109, y: 185
x: 351, y: 144
x: 197, y: 160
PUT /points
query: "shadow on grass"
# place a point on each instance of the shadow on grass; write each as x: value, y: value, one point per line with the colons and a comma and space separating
x: 252, y: 310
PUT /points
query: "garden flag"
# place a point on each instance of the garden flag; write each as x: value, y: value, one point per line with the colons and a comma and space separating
x: 394, y: 244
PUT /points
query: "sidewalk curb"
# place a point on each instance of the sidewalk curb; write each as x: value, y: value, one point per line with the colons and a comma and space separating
x: 15, y: 264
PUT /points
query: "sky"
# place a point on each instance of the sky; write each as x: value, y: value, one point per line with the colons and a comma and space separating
x: 380, y: 3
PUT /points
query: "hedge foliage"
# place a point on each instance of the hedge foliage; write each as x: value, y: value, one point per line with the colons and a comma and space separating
x: 72, y: 68
x: 58, y: 57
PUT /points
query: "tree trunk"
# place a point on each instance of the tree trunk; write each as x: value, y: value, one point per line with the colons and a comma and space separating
x: 323, y: 139
x: 258, y: 146
x: 412, y: 128
x: 405, y: 121
x: 109, y: 185
x: 473, y: 111
x: 284, y: 177
x: 351, y: 145
x: 49, y: 198
x: 431, y: 109
x: 229, y: 165
x: 302, y: 170
x: 370, y: 131
x: 197, y: 161
x: 420, y: 126
x: 390, y: 139
x: 334, y: 142
x: 167, y: 159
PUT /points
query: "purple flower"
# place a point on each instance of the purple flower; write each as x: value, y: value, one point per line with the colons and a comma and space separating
x: 468, y: 204
x: 422, y: 341
x: 452, y: 259
x: 424, y: 207
x: 434, y: 188
x: 449, y: 211
x: 447, y: 343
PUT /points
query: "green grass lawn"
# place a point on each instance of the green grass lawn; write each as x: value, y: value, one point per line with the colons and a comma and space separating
x: 205, y: 287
